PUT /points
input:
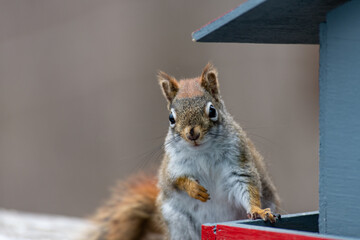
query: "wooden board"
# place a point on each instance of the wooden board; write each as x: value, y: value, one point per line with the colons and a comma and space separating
x: 292, y: 226
x: 244, y: 232
x: 27, y: 226
x: 340, y: 122
x: 307, y: 222
x: 269, y: 21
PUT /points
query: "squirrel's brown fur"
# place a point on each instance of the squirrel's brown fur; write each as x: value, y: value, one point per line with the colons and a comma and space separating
x: 131, y: 211
x: 230, y: 172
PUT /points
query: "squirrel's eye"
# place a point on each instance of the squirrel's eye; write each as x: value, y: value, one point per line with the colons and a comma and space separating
x: 211, y: 112
x: 172, y: 117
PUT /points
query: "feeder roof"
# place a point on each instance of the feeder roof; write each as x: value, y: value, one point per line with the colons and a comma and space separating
x: 269, y: 21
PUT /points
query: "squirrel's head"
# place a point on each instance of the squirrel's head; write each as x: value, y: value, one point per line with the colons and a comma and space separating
x: 194, y: 105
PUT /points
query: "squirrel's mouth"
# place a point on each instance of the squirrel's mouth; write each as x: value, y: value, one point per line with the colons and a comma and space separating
x: 194, y: 144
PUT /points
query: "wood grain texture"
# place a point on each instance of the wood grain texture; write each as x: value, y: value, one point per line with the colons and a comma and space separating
x: 269, y: 21
x: 340, y: 122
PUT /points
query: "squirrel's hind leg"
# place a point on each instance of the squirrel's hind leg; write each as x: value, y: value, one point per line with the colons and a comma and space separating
x: 180, y: 223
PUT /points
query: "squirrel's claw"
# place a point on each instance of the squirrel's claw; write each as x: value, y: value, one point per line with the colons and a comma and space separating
x: 198, y: 192
x: 264, y: 214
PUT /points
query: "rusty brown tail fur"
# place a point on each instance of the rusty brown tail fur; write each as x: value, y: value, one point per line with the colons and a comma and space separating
x: 131, y: 211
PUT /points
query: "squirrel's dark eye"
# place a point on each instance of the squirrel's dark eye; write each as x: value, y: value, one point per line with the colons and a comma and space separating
x: 211, y: 112
x: 172, y: 118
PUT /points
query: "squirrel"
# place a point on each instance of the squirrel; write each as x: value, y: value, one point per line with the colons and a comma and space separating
x: 210, y: 172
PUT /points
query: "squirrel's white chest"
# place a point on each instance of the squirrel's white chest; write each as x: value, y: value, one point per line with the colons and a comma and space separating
x: 210, y: 169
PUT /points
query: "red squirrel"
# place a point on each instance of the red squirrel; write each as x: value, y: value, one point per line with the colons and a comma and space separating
x: 210, y: 172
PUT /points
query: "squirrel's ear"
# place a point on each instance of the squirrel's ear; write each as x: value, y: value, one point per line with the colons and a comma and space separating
x: 209, y: 80
x: 169, y: 85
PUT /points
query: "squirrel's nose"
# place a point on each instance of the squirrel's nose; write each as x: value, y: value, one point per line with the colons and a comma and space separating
x: 193, y: 135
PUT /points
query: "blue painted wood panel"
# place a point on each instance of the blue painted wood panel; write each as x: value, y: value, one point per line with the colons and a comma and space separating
x: 269, y: 21
x: 307, y: 222
x: 340, y: 122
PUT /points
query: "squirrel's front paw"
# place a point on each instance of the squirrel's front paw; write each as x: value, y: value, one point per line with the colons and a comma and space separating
x: 195, y: 190
x: 264, y: 214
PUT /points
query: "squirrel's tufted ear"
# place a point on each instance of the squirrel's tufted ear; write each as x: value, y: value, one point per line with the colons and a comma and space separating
x: 209, y: 80
x: 169, y: 85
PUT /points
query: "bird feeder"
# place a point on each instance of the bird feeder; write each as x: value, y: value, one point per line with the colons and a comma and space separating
x: 335, y: 25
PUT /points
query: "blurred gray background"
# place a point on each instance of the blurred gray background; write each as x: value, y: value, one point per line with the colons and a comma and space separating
x: 80, y: 106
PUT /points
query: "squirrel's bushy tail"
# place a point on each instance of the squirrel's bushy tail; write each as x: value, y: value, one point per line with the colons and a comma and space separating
x: 131, y: 212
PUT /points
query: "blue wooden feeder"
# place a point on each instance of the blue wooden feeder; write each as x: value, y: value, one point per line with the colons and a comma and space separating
x: 335, y: 25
